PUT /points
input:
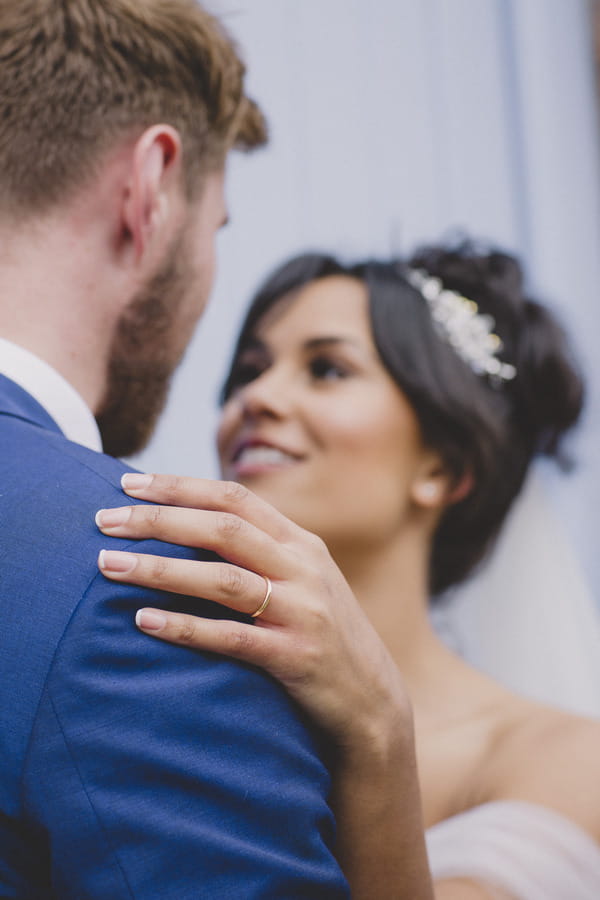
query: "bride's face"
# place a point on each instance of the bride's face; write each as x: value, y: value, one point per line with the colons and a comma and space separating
x: 317, y: 426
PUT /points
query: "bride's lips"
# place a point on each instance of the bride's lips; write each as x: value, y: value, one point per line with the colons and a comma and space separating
x: 251, y: 456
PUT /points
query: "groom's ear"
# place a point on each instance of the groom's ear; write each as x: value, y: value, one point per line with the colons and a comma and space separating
x: 153, y: 188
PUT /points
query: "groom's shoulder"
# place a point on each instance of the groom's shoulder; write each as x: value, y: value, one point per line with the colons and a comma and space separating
x: 95, y: 696
x: 50, y: 492
x: 45, y: 474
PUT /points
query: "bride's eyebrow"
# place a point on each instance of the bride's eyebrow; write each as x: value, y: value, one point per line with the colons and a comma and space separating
x: 329, y: 340
x: 253, y: 345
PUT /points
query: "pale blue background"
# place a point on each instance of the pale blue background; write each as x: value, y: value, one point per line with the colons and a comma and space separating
x: 393, y: 121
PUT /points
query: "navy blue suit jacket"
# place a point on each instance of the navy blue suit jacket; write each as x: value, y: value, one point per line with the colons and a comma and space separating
x: 130, y: 768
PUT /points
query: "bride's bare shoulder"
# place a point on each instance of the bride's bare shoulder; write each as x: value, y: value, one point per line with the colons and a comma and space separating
x: 546, y: 756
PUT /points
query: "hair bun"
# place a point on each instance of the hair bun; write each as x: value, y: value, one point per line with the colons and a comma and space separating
x: 547, y: 394
x: 548, y: 390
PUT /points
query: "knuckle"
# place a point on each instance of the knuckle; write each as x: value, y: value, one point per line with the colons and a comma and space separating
x: 317, y: 543
x: 153, y: 515
x: 317, y: 617
x: 228, y: 526
x: 308, y: 546
x: 318, y: 608
x: 309, y: 663
x: 185, y: 630
x: 158, y: 568
x: 233, y: 493
x: 169, y: 488
x: 230, y: 582
x: 240, y: 641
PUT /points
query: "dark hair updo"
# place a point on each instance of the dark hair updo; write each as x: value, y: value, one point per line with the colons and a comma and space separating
x: 488, y: 429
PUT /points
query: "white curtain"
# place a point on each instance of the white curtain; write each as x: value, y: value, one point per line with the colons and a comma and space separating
x: 395, y: 122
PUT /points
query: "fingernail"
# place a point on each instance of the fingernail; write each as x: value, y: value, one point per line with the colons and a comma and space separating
x: 147, y: 620
x: 116, y: 561
x: 112, y: 518
x: 134, y: 482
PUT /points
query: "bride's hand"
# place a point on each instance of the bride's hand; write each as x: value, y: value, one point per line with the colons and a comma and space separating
x: 312, y: 635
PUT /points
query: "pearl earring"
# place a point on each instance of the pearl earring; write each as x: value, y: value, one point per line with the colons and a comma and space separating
x: 429, y: 491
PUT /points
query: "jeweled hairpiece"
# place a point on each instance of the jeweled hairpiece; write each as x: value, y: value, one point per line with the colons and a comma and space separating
x: 459, y: 322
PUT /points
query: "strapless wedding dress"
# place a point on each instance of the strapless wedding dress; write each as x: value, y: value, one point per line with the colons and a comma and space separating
x: 528, y: 851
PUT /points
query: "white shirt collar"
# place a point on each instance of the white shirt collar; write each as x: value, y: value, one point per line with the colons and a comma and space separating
x: 59, y: 398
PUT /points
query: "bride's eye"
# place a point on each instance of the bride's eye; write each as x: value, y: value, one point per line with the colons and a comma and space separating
x: 323, y: 368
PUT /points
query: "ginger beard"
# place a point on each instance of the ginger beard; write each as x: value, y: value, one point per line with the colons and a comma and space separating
x: 149, y: 342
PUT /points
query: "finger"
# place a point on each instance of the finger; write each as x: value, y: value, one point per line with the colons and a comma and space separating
x: 224, y: 533
x: 202, y: 493
x: 244, y: 642
x: 228, y: 585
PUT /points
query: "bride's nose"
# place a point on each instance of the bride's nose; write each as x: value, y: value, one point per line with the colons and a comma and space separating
x: 267, y: 395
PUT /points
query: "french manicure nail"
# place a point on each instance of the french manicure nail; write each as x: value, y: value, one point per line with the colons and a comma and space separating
x: 112, y: 518
x: 116, y: 562
x: 148, y: 620
x: 131, y: 481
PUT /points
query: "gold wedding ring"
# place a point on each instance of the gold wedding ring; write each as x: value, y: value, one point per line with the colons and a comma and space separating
x: 266, y: 600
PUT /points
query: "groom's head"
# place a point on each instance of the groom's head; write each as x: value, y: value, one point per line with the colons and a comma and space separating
x: 116, y: 117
